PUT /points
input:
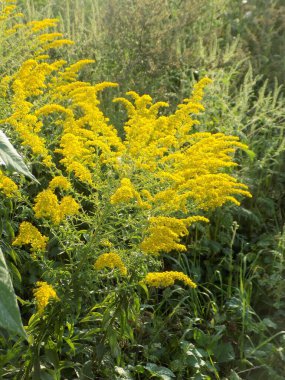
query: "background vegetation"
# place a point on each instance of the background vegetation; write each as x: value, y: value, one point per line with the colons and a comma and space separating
x: 234, y: 328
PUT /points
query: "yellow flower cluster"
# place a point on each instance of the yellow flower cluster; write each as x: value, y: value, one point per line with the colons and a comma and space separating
x: 28, y: 234
x: 43, y: 294
x: 59, y: 182
x: 162, y: 165
x: 29, y: 81
x: 126, y: 192
x: 189, y: 167
x: 37, y: 26
x: 87, y: 141
x: 7, y: 10
x: 164, y: 233
x: 47, y: 206
x: 165, y: 279
x: 8, y: 186
x: 111, y: 260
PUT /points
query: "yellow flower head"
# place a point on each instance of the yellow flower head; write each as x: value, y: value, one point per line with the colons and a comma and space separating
x: 47, y: 206
x: 68, y: 207
x: 164, y: 279
x: 59, y: 182
x: 110, y: 260
x: 8, y: 186
x: 127, y: 192
x: 164, y: 233
x: 43, y: 294
x: 29, y: 234
x: 37, y: 26
x: 124, y: 193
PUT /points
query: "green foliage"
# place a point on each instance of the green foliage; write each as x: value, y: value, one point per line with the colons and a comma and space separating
x: 10, y: 318
x: 233, y: 327
x: 11, y: 158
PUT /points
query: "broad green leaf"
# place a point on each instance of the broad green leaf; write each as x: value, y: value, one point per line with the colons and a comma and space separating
x: 162, y: 372
x: 11, y: 158
x: 224, y: 352
x: 10, y: 317
x: 123, y: 373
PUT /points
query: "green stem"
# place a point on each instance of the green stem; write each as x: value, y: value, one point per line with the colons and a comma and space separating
x: 235, y: 227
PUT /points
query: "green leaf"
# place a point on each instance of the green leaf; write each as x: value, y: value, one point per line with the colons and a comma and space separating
x: 250, y: 154
x: 224, y: 352
x: 11, y: 158
x: 269, y: 323
x: 123, y: 373
x: 10, y: 317
x: 234, y: 376
x: 159, y: 371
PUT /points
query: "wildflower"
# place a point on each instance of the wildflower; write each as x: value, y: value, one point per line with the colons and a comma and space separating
x: 124, y: 193
x: 8, y: 186
x: 127, y: 192
x: 47, y: 206
x: 43, y: 294
x: 36, y: 26
x: 110, y: 260
x: 50, y: 108
x: 68, y: 207
x: 71, y: 72
x: 28, y: 234
x: 57, y: 43
x: 164, y: 234
x: 49, y: 36
x: 59, y: 182
x: 164, y: 279
x: 80, y: 171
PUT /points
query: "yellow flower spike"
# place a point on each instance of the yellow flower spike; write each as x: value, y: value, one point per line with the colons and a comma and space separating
x: 56, y: 44
x: 130, y: 108
x: 153, y: 110
x: 133, y: 94
x: 59, y: 182
x: 127, y: 192
x: 8, y: 186
x: 71, y: 72
x: 47, y: 206
x: 75, y: 67
x: 28, y: 234
x: 68, y: 207
x: 37, y: 26
x: 80, y: 171
x: 111, y: 260
x: 124, y: 193
x: 165, y: 279
x: 50, y: 108
x: 164, y: 234
x: 49, y: 36
x: 43, y: 294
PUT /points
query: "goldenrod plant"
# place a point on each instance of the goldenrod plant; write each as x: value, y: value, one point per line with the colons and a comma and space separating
x: 104, y: 253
